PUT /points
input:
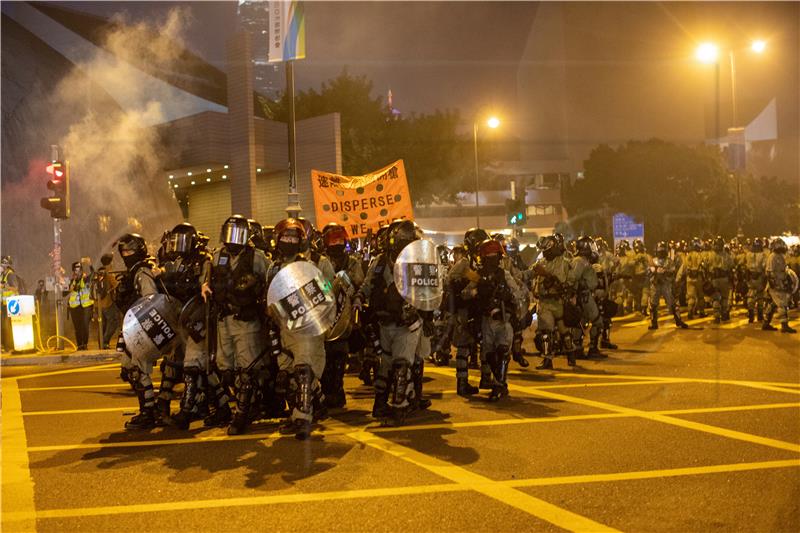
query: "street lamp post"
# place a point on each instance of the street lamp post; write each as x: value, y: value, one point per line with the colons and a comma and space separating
x: 709, y: 53
x: 492, y: 122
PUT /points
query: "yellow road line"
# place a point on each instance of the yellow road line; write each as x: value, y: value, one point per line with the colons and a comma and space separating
x: 766, y: 385
x: 245, y: 501
x: 131, y: 407
x: 79, y: 370
x: 649, y: 415
x: 653, y: 474
x: 17, y: 485
x: 76, y: 387
x: 330, y: 430
x: 393, y: 491
x: 483, y: 485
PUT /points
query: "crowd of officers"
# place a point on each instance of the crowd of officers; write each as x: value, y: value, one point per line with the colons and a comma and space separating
x: 247, y: 355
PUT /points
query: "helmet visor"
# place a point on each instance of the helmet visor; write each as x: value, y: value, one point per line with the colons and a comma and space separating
x: 179, y: 243
x: 234, y: 234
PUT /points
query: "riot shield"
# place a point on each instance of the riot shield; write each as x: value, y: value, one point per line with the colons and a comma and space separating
x: 150, y: 326
x: 343, y: 290
x: 419, y: 276
x: 192, y: 318
x: 300, y: 299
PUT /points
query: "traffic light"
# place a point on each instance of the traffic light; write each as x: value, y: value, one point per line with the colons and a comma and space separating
x: 516, y: 212
x: 58, y: 204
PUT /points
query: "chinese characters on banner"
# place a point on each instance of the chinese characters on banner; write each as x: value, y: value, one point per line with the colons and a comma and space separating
x: 361, y: 203
x: 287, y: 31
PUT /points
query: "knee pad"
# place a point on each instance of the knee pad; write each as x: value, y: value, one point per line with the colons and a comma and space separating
x: 304, y: 377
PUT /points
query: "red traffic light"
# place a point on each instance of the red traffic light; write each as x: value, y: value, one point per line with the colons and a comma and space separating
x: 55, y: 169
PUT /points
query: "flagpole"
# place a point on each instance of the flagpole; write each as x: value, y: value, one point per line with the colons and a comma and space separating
x: 293, y: 207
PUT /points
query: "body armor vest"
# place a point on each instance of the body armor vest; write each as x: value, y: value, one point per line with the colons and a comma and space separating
x: 127, y: 292
x: 183, y: 283
x: 238, y: 291
x: 385, y: 302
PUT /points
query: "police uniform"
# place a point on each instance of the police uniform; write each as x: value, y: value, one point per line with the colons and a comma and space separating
x: 779, y: 284
x: 583, y: 279
x: 692, y: 269
x: 755, y: 268
x: 400, y: 327
x: 553, y: 275
x: 662, y: 279
x: 721, y: 269
x: 238, y: 287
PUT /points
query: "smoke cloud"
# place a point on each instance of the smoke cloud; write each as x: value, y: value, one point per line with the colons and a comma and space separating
x: 99, y: 113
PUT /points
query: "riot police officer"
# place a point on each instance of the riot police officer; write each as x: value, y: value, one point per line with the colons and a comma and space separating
x: 350, y: 275
x: 693, y: 270
x: 464, y: 334
x: 552, y: 272
x: 755, y: 272
x: 780, y: 287
x: 301, y: 362
x: 237, y: 285
x: 400, y: 328
x: 493, y: 295
x: 137, y: 281
x: 189, y: 270
x: 720, y: 269
x: 583, y: 279
x: 662, y: 279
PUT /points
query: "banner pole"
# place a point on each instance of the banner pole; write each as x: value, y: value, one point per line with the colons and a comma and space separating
x: 293, y: 206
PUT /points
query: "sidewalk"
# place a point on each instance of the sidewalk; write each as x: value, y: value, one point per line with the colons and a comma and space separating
x: 89, y: 356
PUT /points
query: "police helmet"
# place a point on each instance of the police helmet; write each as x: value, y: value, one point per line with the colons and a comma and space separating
x: 697, y: 244
x: 7, y: 261
x: 662, y: 250
x: 290, y: 237
x: 133, y: 248
x: 235, y: 231
x: 490, y: 252
x: 335, y: 235
x: 182, y: 239
x: 403, y: 233
x: 443, y: 252
x: 586, y: 247
x: 512, y: 246
x: 602, y: 245
x: 459, y: 251
x: 719, y: 243
x: 381, y: 238
x: 638, y: 246
x: 778, y: 246
x: 473, y: 237
x: 551, y: 248
x: 757, y: 245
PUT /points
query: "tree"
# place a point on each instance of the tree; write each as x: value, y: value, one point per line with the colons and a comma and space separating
x: 676, y: 190
x: 435, y: 155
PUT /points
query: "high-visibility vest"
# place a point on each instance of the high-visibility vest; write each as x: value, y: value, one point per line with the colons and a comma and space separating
x: 80, y: 295
x: 8, y: 291
x: 86, y: 294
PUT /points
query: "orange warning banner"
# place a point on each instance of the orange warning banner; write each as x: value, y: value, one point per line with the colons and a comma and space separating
x: 361, y: 203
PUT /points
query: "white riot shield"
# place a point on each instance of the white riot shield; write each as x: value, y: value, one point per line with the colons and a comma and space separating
x: 419, y: 276
x: 301, y: 299
x: 150, y: 326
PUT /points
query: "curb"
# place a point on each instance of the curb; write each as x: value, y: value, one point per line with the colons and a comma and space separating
x: 77, y: 358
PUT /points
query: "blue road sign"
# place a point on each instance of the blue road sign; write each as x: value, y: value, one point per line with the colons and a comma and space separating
x: 625, y: 227
x: 13, y: 307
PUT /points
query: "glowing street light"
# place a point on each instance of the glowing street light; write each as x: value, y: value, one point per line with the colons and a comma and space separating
x: 758, y: 46
x: 493, y: 122
x: 707, y: 53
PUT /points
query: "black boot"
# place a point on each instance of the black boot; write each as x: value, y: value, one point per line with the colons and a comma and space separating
x: 418, y: 373
x: 678, y: 321
x: 244, y: 400
x: 191, y: 380
x: 766, y: 326
x: 486, y: 381
x: 594, y: 352
x: 500, y: 389
x: 605, y: 340
x: 463, y: 388
x: 380, y: 407
x: 398, y: 392
x: 546, y: 364
x: 786, y: 328
x: 653, y: 319
x: 751, y: 316
x: 146, y: 419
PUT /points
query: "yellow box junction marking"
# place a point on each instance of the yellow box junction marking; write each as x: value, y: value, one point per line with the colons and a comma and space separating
x: 17, y: 488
